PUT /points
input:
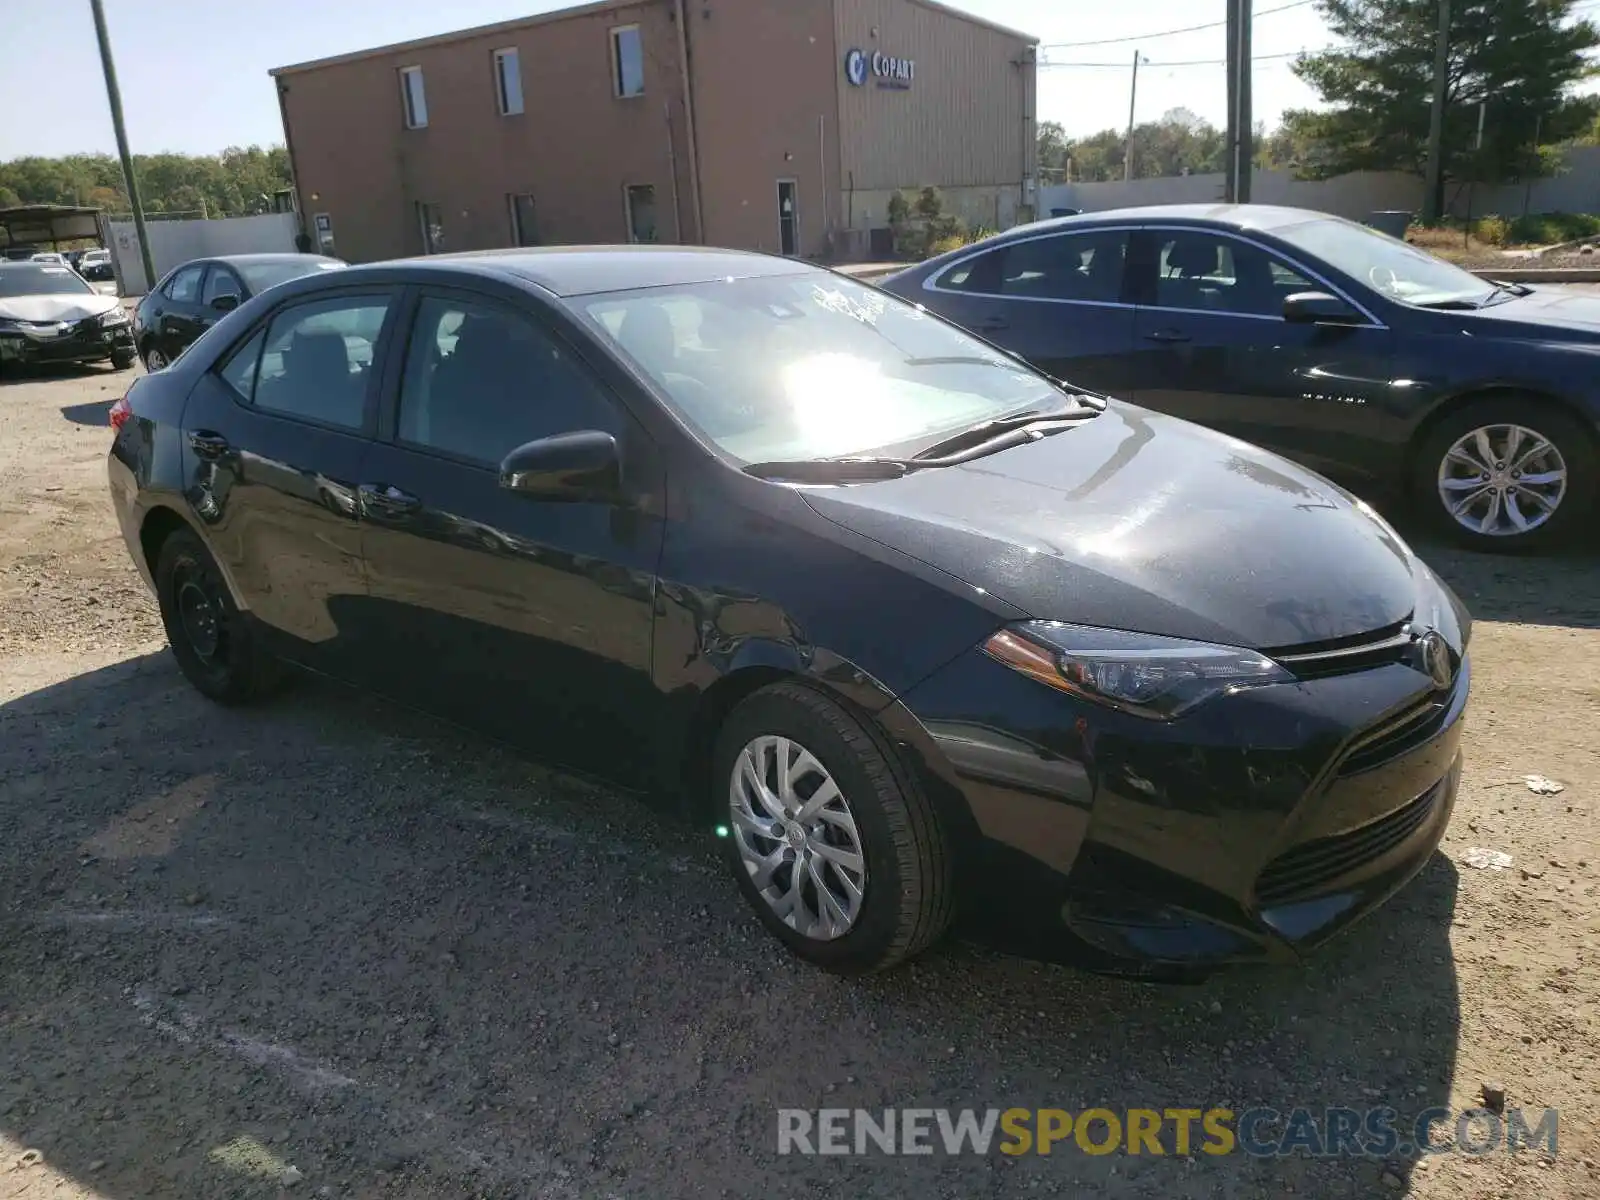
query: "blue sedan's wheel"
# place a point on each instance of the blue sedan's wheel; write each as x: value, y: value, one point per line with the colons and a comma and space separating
x: 840, y: 854
x: 1506, y: 474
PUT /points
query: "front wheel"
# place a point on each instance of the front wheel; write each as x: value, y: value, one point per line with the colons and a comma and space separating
x: 121, y: 360
x: 155, y: 359
x: 214, y: 643
x: 1507, y: 475
x: 831, y: 842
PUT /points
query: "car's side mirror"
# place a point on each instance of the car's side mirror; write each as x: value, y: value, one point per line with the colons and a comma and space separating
x: 1320, y: 308
x: 225, y: 303
x: 578, y: 466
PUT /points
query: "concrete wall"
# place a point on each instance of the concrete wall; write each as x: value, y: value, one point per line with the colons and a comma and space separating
x: 174, y: 242
x: 1353, y: 196
x: 1575, y: 189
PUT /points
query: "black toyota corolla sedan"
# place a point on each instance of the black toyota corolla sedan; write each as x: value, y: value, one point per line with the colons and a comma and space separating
x: 1324, y: 340
x: 916, y: 631
x: 194, y: 296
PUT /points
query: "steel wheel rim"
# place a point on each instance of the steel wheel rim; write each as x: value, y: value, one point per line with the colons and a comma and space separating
x: 1502, y: 480
x: 200, y: 616
x: 797, y: 837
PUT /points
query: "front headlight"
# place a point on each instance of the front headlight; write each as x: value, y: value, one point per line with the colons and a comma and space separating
x: 1140, y: 673
x: 116, y: 316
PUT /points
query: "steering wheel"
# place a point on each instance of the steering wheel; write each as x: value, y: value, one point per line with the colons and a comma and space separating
x: 1383, y: 278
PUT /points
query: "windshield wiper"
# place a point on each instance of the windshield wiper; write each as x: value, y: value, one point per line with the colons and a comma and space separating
x: 1455, y: 304
x: 1027, y: 424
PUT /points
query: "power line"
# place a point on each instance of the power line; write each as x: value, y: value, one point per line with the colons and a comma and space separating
x: 1145, y: 37
x: 1192, y: 62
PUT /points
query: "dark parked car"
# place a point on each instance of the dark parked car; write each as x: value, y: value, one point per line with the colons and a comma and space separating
x: 1336, y: 345
x: 48, y: 314
x: 193, y: 297
x: 915, y: 629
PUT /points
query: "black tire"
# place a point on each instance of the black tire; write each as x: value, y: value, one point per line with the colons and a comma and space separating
x: 1574, y: 444
x: 151, y: 350
x: 229, y: 667
x: 908, y: 894
x: 121, y: 360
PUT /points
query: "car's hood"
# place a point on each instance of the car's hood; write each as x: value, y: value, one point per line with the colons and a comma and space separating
x: 1545, y: 312
x: 1141, y: 521
x: 73, y: 307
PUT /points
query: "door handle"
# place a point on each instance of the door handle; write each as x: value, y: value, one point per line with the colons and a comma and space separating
x: 1167, y: 335
x: 209, y: 446
x: 390, y: 501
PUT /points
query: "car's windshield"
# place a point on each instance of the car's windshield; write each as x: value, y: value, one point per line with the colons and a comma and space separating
x: 40, y: 279
x: 260, y: 276
x: 1397, y: 270
x: 810, y: 365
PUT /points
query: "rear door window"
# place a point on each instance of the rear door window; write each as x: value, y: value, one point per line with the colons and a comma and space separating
x: 1085, y: 266
x: 220, y: 282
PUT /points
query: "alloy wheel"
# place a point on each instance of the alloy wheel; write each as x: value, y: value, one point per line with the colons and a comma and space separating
x: 797, y: 837
x: 154, y: 360
x: 1502, y: 480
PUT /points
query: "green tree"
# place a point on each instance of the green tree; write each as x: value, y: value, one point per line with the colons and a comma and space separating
x: 1519, y: 58
x: 1052, y: 139
x: 238, y: 182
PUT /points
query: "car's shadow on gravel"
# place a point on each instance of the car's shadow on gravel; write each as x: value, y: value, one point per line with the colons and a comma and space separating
x: 96, y: 413
x: 329, y: 935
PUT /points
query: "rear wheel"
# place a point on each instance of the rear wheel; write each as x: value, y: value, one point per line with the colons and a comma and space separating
x: 832, y: 844
x: 215, y: 645
x: 1507, y: 474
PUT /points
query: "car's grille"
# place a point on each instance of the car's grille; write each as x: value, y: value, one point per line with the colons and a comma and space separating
x: 1388, y: 741
x: 1299, y: 872
x: 1346, y: 655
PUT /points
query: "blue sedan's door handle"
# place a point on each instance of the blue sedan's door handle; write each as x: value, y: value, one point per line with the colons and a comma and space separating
x: 1166, y: 335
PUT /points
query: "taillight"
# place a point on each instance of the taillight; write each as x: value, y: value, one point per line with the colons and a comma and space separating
x: 120, y: 412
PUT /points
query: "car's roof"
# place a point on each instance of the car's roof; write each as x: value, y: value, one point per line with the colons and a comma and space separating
x: 245, y: 260
x: 1234, y: 216
x: 584, y: 270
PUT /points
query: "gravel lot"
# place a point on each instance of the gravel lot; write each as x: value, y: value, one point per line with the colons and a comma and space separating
x: 326, y: 945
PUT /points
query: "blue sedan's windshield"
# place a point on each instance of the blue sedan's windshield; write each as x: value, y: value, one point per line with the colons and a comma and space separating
x: 1393, y: 268
x: 811, y: 365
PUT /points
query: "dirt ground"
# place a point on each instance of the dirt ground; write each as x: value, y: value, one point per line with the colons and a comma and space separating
x: 326, y: 947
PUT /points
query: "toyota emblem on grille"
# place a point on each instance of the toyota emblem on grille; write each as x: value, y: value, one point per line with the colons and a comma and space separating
x: 1433, y: 658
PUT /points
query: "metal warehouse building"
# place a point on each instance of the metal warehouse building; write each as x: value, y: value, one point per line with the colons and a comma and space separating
x: 778, y: 125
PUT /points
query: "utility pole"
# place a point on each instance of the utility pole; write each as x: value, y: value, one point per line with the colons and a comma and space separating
x: 1241, y: 150
x: 114, y: 97
x: 1433, y: 191
x: 1127, y: 146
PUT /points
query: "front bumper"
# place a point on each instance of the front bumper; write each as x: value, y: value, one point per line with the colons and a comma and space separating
x: 85, y: 341
x: 1250, y: 830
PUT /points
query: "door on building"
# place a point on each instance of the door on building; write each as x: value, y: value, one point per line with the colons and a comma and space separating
x: 788, y: 218
x: 430, y: 225
x: 640, y: 201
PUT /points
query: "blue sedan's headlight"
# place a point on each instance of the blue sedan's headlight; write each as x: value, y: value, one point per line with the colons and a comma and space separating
x: 1140, y: 673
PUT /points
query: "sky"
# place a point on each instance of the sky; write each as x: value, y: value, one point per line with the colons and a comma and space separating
x: 193, y: 73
